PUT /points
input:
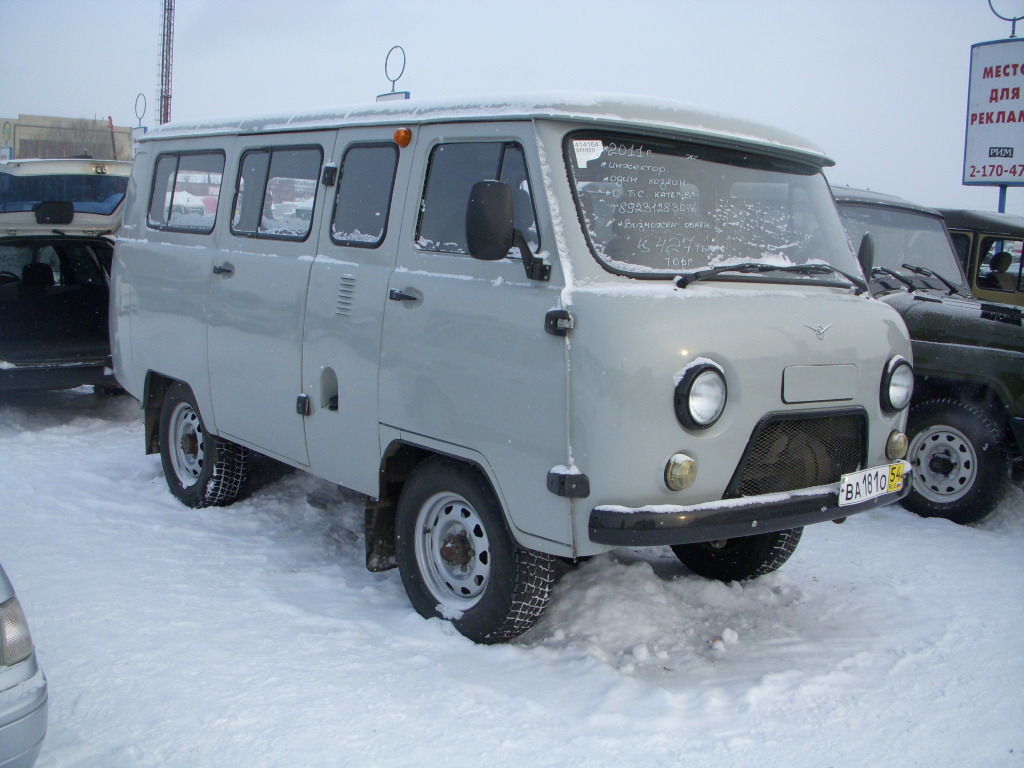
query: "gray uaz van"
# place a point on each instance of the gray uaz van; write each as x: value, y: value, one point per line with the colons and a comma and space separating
x: 525, y: 330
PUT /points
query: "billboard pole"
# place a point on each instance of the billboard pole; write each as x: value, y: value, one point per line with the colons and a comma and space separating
x: 1013, y: 33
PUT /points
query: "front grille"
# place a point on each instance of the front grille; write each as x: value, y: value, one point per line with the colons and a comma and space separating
x: 787, y: 453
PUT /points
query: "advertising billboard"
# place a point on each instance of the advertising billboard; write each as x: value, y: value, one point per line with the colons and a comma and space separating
x: 994, y: 144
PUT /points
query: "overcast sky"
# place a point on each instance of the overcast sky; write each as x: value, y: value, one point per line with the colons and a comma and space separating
x: 880, y: 85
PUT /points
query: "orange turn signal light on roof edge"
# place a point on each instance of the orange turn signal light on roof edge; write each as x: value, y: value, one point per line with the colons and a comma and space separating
x: 402, y: 137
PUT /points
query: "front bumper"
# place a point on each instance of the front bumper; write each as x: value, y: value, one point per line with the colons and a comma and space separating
x: 728, y: 518
x: 23, y: 713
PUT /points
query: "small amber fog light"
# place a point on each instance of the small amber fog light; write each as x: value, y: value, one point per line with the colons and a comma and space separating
x: 680, y: 472
x: 896, y: 445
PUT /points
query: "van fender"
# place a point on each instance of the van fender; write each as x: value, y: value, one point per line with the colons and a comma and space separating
x: 404, y: 452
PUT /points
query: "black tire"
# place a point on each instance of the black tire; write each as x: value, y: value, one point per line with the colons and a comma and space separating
x: 739, y: 559
x: 458, y: 560
x: 960, y: 461
x: 201, y: 469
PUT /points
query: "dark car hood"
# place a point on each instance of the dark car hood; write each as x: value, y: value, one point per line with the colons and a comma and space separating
x: 934, y: 316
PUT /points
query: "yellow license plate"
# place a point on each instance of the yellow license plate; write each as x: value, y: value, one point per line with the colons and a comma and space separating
x: 858, y: 487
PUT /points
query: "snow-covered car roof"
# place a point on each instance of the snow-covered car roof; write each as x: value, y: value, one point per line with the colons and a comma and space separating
x: 608, y: 110
x: 984, y: 221
x: 48, y: 166
x: 853, y: 195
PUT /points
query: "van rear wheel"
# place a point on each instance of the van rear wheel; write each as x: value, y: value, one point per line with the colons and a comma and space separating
x: 458, y: 560
x: 739, y: 559
x: 201, y: 469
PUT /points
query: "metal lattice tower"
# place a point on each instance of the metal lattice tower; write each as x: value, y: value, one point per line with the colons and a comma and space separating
x: 166, y: 61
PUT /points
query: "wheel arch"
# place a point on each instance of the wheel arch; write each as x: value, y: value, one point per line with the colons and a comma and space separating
x: 980, y: 393
x: 398, y: 462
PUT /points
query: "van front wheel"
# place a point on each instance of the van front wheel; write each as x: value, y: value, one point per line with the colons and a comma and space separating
x: 739, y: 559
x: 458, y: 560
x: 201, y: 469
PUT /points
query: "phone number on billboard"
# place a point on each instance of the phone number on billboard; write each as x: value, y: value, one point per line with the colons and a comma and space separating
x: 995, y: 171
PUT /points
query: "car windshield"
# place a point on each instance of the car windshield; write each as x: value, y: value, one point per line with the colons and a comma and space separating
x: 905, y: 237
x: 89, y: 193
x: 654, y: 208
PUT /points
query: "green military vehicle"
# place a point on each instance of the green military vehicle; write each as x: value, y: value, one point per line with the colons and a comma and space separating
x: 991, y: 249
x: 966, y: 423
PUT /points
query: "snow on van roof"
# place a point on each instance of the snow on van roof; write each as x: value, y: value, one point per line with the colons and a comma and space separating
x: 626, y: 111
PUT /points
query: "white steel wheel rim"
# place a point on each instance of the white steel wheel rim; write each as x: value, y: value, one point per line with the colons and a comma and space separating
x: 187, y: 449
x: 945, y: 463
x: 453, y: 552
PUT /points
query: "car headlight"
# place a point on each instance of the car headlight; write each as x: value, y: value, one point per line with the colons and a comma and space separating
x: 700, y: 395
x: 897, y: 384
x: 15, y: 640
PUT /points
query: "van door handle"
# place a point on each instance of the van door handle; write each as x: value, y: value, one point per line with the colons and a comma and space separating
x: 224, y: 269
x: 401, y: 296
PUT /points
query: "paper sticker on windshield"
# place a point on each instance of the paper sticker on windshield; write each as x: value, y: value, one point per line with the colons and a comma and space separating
x: 587, y: 150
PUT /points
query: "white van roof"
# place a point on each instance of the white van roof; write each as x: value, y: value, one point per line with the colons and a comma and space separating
x: 622, y: 111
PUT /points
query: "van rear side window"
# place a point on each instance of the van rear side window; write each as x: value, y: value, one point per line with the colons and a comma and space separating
x: 276, y: 192
x: 453, y: 170
x: 364, y: 195
x: 186, y: 188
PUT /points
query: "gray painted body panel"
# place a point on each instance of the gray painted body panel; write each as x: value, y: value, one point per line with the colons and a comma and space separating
x: 159, y: 297
x: 256, y: 315
x: 341, y: 342
x: 469, y: 362
x: 624, y: 427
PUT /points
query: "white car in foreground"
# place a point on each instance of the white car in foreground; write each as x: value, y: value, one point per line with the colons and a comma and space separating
x: 23, y: 701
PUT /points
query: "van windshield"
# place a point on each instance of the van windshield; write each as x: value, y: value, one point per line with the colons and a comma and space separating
x: 655, y: 208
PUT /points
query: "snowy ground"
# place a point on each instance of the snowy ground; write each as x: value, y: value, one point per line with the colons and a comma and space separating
x: 252, y: 635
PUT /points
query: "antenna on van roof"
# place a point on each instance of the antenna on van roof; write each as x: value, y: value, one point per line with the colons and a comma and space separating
x: 389, y: 69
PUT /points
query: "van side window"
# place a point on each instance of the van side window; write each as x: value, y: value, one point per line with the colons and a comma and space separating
x: 276, y: 191
x: 364, y: 195
x: 186, y: 188
x: 451, y: 174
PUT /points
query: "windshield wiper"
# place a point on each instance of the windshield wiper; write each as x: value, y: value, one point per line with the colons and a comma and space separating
x: 749, y: 267
x: 925, y: 272
x: 894, y: 274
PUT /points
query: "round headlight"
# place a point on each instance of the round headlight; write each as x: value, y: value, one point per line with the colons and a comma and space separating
x: 700, y: 396
x: 897, y: 385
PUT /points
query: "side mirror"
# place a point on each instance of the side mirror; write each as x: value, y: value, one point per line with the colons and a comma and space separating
x: 489, y: 228
x: 866, y: 254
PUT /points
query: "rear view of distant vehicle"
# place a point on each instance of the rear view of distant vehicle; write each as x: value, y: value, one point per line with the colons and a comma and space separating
x: 23, y: 700
x: 966, y: 422
x: 990, y: 248
x: 56, y: 222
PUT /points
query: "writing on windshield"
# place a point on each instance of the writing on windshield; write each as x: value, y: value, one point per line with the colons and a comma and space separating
x: 652, y: 207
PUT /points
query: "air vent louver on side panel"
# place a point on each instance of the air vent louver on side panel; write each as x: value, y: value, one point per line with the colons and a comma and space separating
x: 346, y: 295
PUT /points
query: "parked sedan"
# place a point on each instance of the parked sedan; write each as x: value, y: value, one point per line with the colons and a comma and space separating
x: 23, y: 700
x: 57, y: 218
